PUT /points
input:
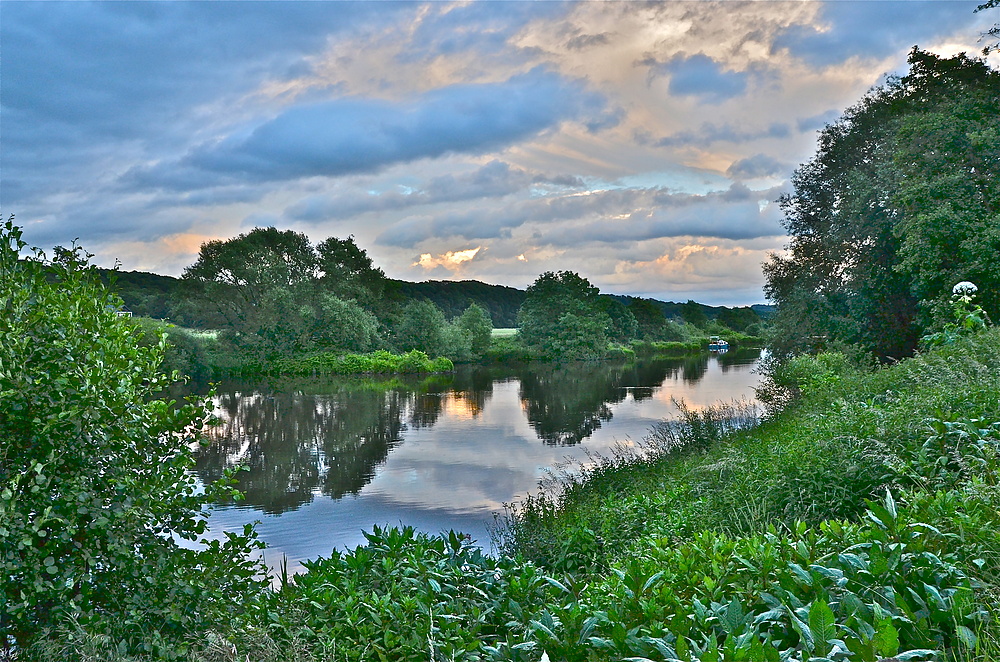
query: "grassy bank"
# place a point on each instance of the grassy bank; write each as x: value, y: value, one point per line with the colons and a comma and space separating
x: 867, y: 509
x: 858, y: 522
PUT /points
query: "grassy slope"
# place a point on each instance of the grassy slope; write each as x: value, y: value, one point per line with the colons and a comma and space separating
x: 849, y: 438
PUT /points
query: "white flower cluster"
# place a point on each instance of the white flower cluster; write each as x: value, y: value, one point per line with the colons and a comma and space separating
x: 965, y: 288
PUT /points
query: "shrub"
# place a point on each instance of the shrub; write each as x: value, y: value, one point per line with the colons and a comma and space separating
x: 95, y: 482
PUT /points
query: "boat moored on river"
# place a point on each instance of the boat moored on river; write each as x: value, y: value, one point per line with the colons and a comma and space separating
x: 717, y: 344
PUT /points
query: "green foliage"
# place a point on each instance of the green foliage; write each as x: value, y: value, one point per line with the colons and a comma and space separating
x: 968, y: 317
x: 738, y: 319
x: 343, y: 325
x: 649, y: 318
x: 183, y: 353
x: 421, y: 327
x: 622, y: 325
x: 273, y: 295
x: 453, y: 297
x: 406, y: 596
x: 475, y: 321
x: 693, y: 314
x: 377, y: 362
x: 901, y: 201
x: 95, y: 482
x: 562, y: 318
x: 348, y: 272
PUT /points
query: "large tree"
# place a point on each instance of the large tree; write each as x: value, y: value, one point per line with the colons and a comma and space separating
x: 561, y: 317
x: 900, y: 202
x: 272, y: 293
x: 348, y: 271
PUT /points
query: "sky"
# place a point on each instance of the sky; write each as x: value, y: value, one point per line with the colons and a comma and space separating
x: 642, y: 145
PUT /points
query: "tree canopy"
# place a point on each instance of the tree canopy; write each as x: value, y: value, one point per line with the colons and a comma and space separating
x: 901, y: 201
x: 562, y: 317
x: 274, y: 294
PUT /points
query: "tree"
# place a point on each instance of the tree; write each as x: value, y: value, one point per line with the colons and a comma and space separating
x: 738, y: 319
x: 900, y: 202
x: 476, y: 322
x: 622, y: 325
x: 343, y: 325
x: 348, y: 272
x: 694, y: 313
x: 255, y: 284
x: 993, y: 34
x: 273, y: 294
x: 561, y: 317
x: 649, y: 318
x: 95, y: 481
x: 421, y: 327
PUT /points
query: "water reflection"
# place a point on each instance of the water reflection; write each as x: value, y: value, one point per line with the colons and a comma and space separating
x: 302, y: 439
x: 296, y: 439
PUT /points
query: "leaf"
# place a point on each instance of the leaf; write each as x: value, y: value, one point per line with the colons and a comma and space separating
x: 886, y: 638
x: 808, y: 640
x: 966, y: 637
x: 823, y: 624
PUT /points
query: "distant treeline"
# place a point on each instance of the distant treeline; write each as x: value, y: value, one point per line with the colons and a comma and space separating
x: 164, y: 297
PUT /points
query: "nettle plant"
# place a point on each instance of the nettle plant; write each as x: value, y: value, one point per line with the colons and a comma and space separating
x: 968, y: 317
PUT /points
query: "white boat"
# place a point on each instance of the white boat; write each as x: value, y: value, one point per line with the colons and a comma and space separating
x: 717, y: 344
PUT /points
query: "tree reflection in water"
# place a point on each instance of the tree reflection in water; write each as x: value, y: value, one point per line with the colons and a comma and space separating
x: 301, y: 438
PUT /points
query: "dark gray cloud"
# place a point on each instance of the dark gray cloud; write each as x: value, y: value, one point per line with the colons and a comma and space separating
x: 354, y: 135
x: 84, y: 80
x: 733, y: 214
x: 709, y: 133
x: 756, y: 166
x: 871, y: 29
x: 494, y: 180
x: 581, y: 42
x: 630, y: 214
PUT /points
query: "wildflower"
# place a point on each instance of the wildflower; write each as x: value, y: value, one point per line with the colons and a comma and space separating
x: 965, y: 288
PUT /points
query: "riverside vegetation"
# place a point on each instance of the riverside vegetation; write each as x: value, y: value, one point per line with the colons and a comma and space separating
x: 859, y: 520
x: 271, y: 302
x: 854, y: 518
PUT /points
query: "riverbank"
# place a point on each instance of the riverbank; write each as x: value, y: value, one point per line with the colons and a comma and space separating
x: 199, y: 355
x: 859, y: 522
x: 867, y: 509
x: 861, y: 518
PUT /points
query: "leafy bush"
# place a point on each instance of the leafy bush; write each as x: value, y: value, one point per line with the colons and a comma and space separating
x: 405, y: 596
x: 380, y: 361
x: 95, y: 481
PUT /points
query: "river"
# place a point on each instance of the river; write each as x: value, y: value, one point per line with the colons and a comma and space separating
x: 330, y: 458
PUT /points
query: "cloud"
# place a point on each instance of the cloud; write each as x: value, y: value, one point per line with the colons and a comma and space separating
x: 450, y: 260
x: 580, y: 42
x: 756, y: 167
x: 819, y: 121
x: 81, y: 80
x: 701, y: 76
x: 709, y: 133
x: 612, y: 217
x: 495, y: 179
x: 357, y: 135
x: 846, y: 30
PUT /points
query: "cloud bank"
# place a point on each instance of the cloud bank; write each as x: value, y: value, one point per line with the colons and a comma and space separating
x: 642, y: 145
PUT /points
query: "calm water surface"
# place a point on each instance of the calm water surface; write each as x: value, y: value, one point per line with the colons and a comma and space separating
x: 330, y: 458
